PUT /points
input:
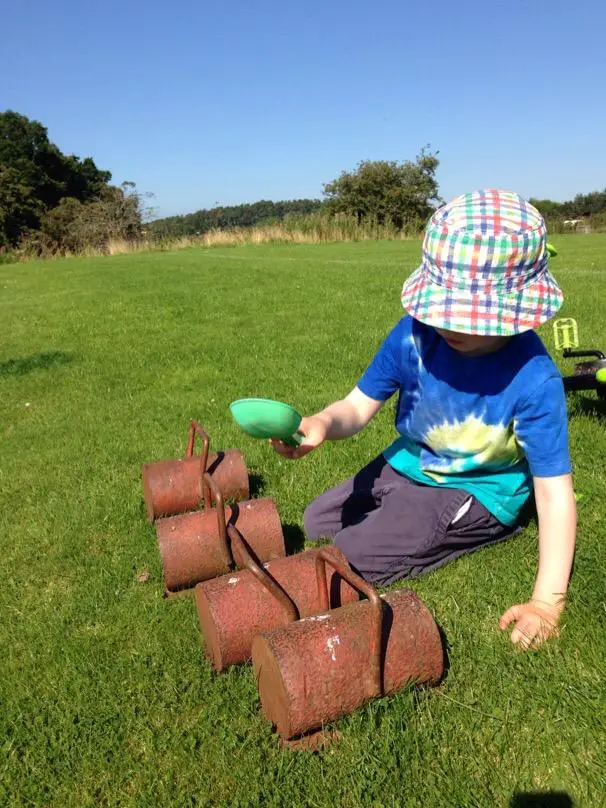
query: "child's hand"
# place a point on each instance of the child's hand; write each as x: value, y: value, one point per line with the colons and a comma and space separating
x: 535, y: 621
x: 313, y: 429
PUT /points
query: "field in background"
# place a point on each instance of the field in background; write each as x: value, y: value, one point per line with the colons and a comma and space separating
x: 317, y: 228
x: 313, y: 229
x: 309, y: 229
x: 105, y: 696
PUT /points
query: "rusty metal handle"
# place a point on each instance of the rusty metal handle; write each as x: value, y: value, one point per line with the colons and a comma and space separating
x: 322, y: 559
x: 263, y: 577
x: 210, y: 491
x: 196, y: 429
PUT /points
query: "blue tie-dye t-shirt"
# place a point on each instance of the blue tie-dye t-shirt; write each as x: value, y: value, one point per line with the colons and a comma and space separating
x: 486, y: 424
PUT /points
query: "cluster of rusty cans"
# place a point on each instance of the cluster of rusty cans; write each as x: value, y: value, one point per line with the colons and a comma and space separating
x: 321, y: 639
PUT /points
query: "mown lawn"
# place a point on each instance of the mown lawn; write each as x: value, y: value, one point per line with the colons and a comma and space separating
x: 106, y: 698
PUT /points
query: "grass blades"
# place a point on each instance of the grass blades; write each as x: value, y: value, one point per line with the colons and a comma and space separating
x: 105, y: 697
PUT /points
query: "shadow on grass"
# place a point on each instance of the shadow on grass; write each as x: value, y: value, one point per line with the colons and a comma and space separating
x: 528, y: 514
x: 548, y: 799
x: 294, y: 539
x: 255, y: 485
x: 28, y: 364
x: 584, y: 405
x: 445, y: 648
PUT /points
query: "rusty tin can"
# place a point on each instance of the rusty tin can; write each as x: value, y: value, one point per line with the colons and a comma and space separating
x: 234, y: 608
x: 319, y: 668
x: 175, y: 486
x: 196, y: 546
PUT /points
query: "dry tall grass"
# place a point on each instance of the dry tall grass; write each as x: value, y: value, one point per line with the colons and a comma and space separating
x: 304, y: 230
x: 311, y: 229
x: 314, y: 229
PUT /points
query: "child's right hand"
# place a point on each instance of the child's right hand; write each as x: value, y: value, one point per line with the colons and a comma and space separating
x: 313, y: 428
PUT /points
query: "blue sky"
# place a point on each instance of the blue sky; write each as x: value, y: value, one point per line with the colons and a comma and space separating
x: 237, y: 101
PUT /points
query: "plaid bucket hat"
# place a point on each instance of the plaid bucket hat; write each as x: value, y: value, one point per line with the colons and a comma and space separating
x: 485, y: 267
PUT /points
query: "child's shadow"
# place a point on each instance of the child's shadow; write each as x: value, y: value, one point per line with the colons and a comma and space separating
x: 28, y: 364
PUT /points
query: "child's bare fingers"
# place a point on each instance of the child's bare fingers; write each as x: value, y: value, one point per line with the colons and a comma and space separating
x: 532, y: 631
x: 546, y: 630
x: 302, y: 450
x: 544, y: 633
x: 527, y: 626
x: 281, y: 448
x: 523, y: 636
x: 538, y: 640
x: 509, y: 616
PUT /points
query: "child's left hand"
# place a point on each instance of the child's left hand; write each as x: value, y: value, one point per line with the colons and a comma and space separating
x: 535, y: 621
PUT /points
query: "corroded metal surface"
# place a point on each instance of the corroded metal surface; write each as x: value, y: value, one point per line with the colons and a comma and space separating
x: 235, y: 607
x: 262, y: 576
x: 192, y: 549
x: 174, y: 486
x: 314, y: 671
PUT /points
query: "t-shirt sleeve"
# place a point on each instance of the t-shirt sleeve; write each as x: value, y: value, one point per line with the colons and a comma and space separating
x: 384, y: 375
x: 541, y: 429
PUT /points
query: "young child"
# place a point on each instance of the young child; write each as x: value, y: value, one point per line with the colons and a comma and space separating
x: 481, y: 414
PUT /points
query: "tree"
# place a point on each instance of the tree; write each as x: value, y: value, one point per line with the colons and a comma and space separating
x: 18, y: 207
x: 222, y: 218
x: 548, y: 208
x: 36, y: 175
x: 582, y: 205
x: 404, y: 194
x: 589, y: 204
x: 73, y: 226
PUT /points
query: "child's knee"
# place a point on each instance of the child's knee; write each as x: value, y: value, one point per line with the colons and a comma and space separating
x: 367, y: 554
x: 357, y: 553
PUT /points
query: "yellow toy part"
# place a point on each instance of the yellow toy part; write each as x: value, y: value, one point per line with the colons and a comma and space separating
x: 565, y: 333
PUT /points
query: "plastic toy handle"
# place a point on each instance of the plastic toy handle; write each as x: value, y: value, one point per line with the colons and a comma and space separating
x: 568, y: 353
x: 566, y: 334
x: 294, y: 440
x: 322, y: 559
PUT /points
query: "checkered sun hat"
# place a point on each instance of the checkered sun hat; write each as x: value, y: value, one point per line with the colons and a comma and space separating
x: 485, y: 268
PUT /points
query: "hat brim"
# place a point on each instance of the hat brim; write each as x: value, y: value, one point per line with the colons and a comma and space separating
x: 488, y: 315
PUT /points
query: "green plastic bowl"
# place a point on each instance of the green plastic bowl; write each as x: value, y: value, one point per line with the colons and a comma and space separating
x: 265, y: 418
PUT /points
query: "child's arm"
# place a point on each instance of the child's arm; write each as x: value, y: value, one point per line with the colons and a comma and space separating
x: 536, y: 620
x: 342, y: 419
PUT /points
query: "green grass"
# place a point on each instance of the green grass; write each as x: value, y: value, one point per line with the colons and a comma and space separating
x: 106, y: 698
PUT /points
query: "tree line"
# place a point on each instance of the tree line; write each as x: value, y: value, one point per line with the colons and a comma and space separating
x: 51, y: 202
x: 582, y: 206
x: 225, y: 217
x: 54, y: 203
x: 385, y: 191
